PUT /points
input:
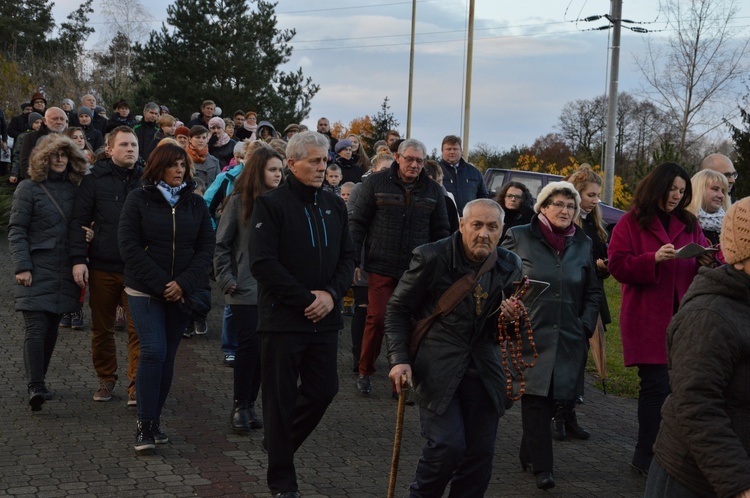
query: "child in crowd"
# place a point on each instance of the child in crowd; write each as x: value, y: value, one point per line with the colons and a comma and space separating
x: 333, y: 179
x: 346, y: 190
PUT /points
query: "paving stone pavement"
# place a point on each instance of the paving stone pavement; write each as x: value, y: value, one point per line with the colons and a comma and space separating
x: 78, y: 447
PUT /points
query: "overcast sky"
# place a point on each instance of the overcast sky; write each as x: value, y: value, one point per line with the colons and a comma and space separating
x: 530, y: 58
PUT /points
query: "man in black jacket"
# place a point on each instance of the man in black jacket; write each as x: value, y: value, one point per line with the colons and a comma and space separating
x: 460, y: 178
x: 458, y: 377
x: 147, y: 128
x: 99, y: 200
x: 303, y: 259
x: 395, y: 211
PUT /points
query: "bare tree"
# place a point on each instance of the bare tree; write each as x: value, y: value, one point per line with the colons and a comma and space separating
x: 129, y: 19
x: 692, y: 78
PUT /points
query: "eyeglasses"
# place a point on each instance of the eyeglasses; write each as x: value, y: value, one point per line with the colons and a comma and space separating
x: 731, y: 176
x: 410, y: 159
x: 562, y: 205
x: 513, y: 197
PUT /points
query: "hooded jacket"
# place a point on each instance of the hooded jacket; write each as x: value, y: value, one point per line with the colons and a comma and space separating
x: 704, y: 438
x: 271, y: 129
x: 38, y: 233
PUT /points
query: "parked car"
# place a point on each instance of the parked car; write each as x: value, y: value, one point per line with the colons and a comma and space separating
x: 495, y: 178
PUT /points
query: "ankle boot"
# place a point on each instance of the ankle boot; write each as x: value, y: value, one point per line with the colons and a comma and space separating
x: 558, y: 423
x: 255, y: 422
x: 144, y: 435
x: 239, y: 420
x: 571, y: 424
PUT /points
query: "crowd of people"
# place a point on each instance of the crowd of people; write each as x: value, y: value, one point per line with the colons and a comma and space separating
x: 297, y: 228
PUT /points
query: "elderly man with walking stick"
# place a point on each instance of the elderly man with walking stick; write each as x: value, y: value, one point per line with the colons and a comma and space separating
x: 459, y: 285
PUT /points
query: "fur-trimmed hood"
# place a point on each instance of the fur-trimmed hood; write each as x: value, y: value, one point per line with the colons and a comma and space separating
x: 39, y: 160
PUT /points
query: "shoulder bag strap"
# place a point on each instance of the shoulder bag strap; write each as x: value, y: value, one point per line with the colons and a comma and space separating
x: 59, y: 209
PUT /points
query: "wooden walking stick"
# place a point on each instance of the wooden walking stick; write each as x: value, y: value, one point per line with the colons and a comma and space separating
x: 397, y: 438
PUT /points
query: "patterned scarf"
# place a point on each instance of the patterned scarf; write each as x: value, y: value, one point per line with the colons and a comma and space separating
x: 553, y: 235
x: 171, y: 194
x: 222, y: 140
x: 197, y: 155
x: 711, y: 221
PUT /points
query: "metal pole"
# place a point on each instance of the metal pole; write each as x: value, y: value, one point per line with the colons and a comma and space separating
x: 614, y: 75
x: 411, y: 67
x: 467, y: 100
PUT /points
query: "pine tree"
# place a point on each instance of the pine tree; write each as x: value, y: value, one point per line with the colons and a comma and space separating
x: 741, y: 138
x: 24, y: 27
x: 381, y: 123
x: 231, y: 55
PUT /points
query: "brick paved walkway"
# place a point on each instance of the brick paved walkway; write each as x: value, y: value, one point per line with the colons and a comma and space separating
x: 78, y: 447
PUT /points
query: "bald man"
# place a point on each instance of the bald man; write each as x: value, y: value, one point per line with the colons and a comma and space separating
x: 55, y: 121
x: 721, y: 164
x: 97, y: 122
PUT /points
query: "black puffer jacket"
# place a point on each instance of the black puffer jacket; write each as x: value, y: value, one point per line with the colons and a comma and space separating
x: 299, y: 242
x: 160, y: 243
x: 390, y: 221
x: 704, y: 438
x: 461, y: 338
x: 564, y: 316
x: 100, y: 199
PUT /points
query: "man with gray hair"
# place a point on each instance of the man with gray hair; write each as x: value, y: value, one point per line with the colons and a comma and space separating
x: 303, y: 259
x: 396, y: 210
x: 147, y: 128
x: 721, y: 164
x: 458, y: 376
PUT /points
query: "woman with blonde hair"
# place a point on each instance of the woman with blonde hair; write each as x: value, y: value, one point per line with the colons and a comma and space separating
x: 710, y: 202
x: 358, y: 153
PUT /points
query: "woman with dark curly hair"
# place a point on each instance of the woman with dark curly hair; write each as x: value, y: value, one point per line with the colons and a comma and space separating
x: 38, y: 238
x: 517, y: 203
x: 643, y: 258
x: 167, y: 242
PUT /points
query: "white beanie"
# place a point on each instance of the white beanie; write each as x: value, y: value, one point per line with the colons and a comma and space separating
x: 556, y: 188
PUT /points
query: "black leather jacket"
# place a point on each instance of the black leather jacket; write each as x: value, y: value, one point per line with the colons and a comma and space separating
x: 459, y: 343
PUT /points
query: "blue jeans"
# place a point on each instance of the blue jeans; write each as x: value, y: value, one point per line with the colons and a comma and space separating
x: 229, y: 332
x: 460, y: 445
x: 159, y: 325
x: 38, y: 344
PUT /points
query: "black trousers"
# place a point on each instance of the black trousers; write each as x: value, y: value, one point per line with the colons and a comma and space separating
x: 536, y: 443
x: 358, y: 320
x: 460, y: 445
x: 247, y: 359
x: 654, y: 390
x: 299, y: 381
x: 38, y: 345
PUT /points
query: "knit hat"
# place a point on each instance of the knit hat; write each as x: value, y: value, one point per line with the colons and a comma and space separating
x: 342, y: 144
x: 34, y: 117
x: 553, y: 186
x: 182, y: 130
x: 735, y: 232
x: 25, y: 105
x: 238, y: 147
x: 69, y: 102
x: 216, y: 121
x: 164, y: 109
x: 99, y: 109
x: 38, y: 96
x: 291, y: 127
x: 85, y: 110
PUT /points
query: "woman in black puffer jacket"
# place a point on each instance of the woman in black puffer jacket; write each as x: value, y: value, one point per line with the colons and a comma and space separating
x: 167, y: 242
x: 38, y: 237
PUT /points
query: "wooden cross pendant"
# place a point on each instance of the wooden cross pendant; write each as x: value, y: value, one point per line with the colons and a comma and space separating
x: 479, y: 295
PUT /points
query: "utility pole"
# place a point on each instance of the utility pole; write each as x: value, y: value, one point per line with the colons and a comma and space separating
x: 467, y: 99
x: 614, y: 74
x: 411, y: 67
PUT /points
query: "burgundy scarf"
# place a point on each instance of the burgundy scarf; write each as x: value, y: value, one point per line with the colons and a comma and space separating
x: 553, y: 235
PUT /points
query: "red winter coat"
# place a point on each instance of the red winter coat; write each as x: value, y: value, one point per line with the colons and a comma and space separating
x: 649, y: 290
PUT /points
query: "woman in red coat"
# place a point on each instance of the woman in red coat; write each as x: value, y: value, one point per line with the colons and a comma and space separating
x: 642, y: 257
